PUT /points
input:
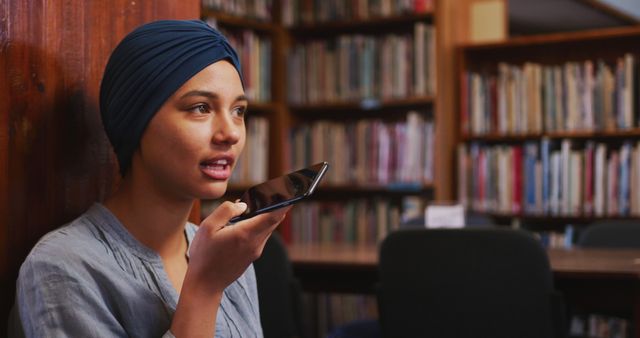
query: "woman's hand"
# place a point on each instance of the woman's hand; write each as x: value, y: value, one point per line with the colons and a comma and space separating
x: 218, y: 255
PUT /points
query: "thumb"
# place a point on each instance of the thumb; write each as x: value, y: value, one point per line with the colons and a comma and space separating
x: 222, y: 214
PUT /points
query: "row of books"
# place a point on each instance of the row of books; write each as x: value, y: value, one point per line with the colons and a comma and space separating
x: 334, y: 310
x: 254, y: 51
x: 367, y: 151
x: 356, y: 67
x: 551, y: 178
x: 254, y: 9
x: 306, y: 12
x: 536, y: 98
x: 598, y: 326
x: 252, y: 166
x: 356, y: 221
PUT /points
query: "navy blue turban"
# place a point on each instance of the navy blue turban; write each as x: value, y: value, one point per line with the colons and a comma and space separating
x: 146, y: 68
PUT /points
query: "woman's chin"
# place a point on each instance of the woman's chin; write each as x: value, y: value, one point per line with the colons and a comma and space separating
x: 214, y: 191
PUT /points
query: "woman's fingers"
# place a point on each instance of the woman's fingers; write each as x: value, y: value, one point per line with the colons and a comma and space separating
x: 261, y: 226
x: 266, y: 222
x: 222, y: 214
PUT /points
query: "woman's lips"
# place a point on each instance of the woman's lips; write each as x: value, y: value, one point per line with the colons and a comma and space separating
x: 217, y: 170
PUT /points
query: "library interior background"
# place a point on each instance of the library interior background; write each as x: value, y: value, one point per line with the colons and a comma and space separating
x: 515, y: 115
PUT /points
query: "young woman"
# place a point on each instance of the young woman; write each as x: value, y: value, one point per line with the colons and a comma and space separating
x: 173, y: 106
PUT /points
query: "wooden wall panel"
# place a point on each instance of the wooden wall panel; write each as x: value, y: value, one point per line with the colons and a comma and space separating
x: 55, y: 160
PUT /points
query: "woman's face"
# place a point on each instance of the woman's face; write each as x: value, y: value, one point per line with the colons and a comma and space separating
x: 193, y: 142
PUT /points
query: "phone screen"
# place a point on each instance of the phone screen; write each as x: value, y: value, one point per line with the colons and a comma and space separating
x: 281, y: 191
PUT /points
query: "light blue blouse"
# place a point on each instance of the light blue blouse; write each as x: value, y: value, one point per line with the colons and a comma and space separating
x: 92, y: 278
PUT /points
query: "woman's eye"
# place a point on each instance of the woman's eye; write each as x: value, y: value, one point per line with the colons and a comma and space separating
x: 239, y: 111
x: 200, y: 109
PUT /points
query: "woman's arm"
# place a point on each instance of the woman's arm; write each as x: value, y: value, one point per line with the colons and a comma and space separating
x: 219, y: 254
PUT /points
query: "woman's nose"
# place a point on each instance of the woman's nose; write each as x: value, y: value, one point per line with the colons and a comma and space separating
x: 226, y: 130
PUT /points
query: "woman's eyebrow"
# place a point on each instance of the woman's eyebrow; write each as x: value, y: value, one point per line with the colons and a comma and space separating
x: 210, y: 95
x: 200, y: 93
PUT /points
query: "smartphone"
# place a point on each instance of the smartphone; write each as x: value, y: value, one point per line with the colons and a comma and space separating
x: 281, y: 191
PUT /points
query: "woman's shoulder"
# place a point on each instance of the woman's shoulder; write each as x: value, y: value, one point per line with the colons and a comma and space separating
x: 71, y: 244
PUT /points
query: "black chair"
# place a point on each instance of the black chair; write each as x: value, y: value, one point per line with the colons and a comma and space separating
x: 279, y: 292
x: 617, y: 234
x: 462, y: 283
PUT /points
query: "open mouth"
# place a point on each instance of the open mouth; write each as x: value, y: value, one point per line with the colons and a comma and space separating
x: 217, y: 169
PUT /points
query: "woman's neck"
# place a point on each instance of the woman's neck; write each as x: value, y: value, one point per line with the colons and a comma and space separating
x: 153, y: 218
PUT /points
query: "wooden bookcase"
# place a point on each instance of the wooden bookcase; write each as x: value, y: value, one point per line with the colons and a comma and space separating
x: 606, y: 45
x: 484, y: 133
x: 346, y: 196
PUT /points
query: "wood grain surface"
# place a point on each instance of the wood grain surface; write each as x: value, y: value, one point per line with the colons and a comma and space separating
x: 55, y: 160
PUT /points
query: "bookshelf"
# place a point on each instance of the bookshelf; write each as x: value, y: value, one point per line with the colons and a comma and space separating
x: 549, y: 133
x: 318, y: 36
x: 355, y: 207
x: 520, y: 78
x: 373, y: 202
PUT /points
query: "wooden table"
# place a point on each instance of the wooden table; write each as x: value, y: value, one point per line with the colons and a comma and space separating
x: 335, y: 268
x: 603, y: 281
x: 596, y: 263
x: 595, y: 279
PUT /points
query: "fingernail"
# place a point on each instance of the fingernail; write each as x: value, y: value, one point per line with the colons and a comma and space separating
x: 242, y: 205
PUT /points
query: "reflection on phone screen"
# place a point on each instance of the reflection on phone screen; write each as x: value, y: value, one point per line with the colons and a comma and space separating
x: 276, y: 191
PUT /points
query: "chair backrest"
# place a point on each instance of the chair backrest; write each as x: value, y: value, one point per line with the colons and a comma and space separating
x: 279, y: 292
x: 465, y: 283
x: 611, y: 234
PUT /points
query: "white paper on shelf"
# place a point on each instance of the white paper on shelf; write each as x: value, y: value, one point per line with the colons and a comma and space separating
x: 444, y: 216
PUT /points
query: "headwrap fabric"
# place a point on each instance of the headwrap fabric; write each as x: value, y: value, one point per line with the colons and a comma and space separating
x: 146, y: 68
